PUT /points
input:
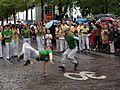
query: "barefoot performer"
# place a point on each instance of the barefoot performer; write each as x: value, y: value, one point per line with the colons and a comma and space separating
x: 40, y: 55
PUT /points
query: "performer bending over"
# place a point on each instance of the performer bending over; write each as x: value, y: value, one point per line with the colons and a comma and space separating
x: 40, y: 55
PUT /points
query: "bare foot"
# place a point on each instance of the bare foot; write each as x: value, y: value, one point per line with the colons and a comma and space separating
x: 45, y: 75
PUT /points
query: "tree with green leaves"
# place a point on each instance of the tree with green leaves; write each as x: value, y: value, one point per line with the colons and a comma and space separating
x: 98, y: 6
x: 90, y: 6
x: 62, y: 3
x: 11, y: 7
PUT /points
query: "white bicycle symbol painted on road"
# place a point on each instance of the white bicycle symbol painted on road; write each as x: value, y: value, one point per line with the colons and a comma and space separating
x: 84, y: 75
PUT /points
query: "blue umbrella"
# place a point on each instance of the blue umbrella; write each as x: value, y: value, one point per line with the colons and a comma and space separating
x: 50, y: 23
x: 28, y: 22
x: 81, y: 20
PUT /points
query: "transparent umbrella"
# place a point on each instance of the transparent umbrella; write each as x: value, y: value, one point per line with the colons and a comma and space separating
x: 52, y: 22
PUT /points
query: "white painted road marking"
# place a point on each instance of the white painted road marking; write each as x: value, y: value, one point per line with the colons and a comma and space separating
x: 84, y: 75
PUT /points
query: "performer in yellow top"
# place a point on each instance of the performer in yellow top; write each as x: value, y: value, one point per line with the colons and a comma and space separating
x: 64, y: 25
x: 15, y: 41
x: 59, y: 38
x: 79, y: 28
x: 40, y: 36
x: 1, y: 37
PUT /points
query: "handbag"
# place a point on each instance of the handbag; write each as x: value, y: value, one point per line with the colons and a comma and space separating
x: 3, y: 42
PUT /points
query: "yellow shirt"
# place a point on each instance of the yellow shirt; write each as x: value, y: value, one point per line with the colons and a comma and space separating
x: 15, y: 35
x: 64, y: 26
x: 80, y: 27
x: 84, y: 30
x: 58, y: 32
x: 0, y: 35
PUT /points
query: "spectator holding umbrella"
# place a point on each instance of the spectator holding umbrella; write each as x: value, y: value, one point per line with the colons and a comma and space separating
x: 97, y: 42
x: 104, y: 36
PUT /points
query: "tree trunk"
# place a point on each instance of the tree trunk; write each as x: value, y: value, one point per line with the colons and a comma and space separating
x: 26, y: 13
x: 7, y: 18
x: 60, y: 10
x: 42, y: 13
x: 14, y: 16
x: 31, y: 14
x: 2, y: 22
x: 106, y: 6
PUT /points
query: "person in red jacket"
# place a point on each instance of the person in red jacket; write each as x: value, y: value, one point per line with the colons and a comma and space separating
x: 92, y: 38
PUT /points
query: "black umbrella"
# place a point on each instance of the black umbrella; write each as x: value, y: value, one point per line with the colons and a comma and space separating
x: 111, y: 15
x: 100, y: 15
x: 103, y: 15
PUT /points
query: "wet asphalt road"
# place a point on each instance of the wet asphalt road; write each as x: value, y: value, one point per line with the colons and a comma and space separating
x: 13, y: 76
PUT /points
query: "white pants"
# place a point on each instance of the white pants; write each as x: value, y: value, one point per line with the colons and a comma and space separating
x: 40, y: 42
x: 9, y: 50
x: 65, y: 44
x: 59, y: 45
x: 4, y: 51
x: 85, y: 41
x: 70, y: 54
x: 15, y: 47
x: 80, y: 43
x: 1, y: 53
x: 112, y: 48
x: 26, y: 40
x: 48, y: 42
x: 29, y: 52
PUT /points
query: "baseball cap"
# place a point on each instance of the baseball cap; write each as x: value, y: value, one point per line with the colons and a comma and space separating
x: 66, y: 29
x: 7, y: 24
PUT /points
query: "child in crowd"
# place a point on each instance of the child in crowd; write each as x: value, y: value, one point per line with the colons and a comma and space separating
x: 48, y: 38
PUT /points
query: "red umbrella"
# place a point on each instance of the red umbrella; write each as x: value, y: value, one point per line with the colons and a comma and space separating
x: 106, y: 19
x: 98, y: 16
